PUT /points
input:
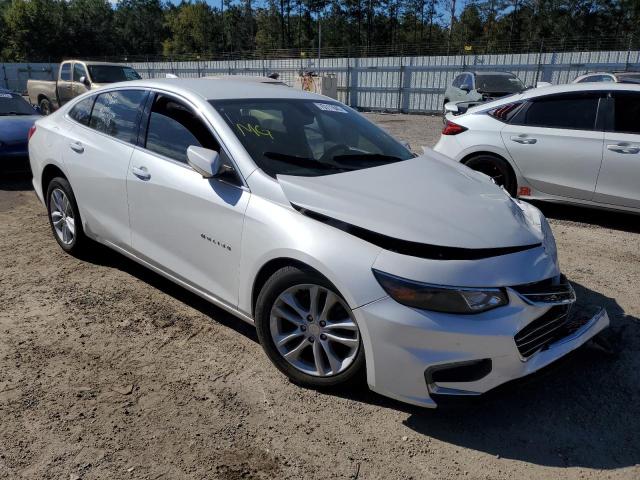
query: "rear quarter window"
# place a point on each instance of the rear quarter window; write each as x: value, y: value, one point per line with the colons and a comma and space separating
x: 81, y: 111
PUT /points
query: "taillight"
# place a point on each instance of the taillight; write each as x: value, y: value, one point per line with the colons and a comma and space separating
x: 503, y: 113
x: 32, y: 130
x: 451, y: 128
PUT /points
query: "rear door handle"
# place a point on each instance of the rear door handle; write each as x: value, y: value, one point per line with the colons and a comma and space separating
x: 524, y: 140
x: 141, y: 172
x: 76, y: 147
x: 623, y: 148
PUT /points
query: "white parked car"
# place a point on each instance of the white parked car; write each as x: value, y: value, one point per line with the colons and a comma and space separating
x: 610, y: 77
x: 576, y: 144
x: 295, y: 213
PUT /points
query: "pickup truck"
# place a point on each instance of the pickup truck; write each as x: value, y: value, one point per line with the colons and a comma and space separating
x: 74, y: 78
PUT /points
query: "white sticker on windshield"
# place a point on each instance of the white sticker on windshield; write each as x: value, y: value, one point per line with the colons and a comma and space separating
x: 329, y: 107
x: 6, y: 95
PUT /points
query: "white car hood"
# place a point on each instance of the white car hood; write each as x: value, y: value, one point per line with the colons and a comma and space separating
x: 427, y: 200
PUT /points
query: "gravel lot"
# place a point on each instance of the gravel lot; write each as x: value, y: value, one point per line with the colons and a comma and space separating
x: 108, y: 371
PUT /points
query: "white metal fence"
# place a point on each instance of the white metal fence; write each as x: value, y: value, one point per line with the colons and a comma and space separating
x: 398, y: 84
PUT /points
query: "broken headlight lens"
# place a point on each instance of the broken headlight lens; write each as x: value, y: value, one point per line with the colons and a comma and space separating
x: 460, y: 300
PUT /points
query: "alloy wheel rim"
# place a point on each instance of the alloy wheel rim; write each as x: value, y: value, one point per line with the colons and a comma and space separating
x: 313, y: 329
x: 62, y: 216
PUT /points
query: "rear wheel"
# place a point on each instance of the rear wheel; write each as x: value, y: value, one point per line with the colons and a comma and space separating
x: 496, y: 168
x: 64, y: 216
x: 45, y: 106
x: 307, y: 329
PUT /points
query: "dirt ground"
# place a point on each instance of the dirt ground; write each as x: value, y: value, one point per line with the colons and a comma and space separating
x: 108, y: 371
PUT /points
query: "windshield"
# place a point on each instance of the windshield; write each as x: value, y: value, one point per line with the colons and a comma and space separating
x: 493, y: 83
x: 14, y: 104
x: 112, y: 73
x: 308, y: 137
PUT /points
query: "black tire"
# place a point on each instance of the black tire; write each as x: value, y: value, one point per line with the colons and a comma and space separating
x: 279, y: 282
x: 444, y: 110
x: 45, y: 106
x: 497, y: 168
x: 79, y: 240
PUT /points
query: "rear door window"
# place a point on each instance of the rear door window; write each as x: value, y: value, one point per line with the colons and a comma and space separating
x: 627, y: 113
x: 81, y: 111
x: 117, y: 114
x: 575, y: 112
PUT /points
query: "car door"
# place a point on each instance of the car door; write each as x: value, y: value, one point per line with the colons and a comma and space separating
x: 182, y: 223
x: 97, y: 157
x: 64, y: 85
x: 556, y: 143
x: 79, y: 87
x: 619, y: 179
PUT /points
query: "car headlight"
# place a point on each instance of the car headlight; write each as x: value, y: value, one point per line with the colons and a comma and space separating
x: 439, y: 298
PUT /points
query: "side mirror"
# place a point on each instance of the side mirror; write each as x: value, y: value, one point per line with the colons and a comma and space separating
x: 466, y: 87
x: 204, y: 161
x: 84, y: 80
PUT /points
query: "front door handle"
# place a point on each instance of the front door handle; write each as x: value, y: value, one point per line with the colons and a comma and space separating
x: 524, y: 140
x: 76, y: 147
x: 623, y: 148
x: 141, y: 172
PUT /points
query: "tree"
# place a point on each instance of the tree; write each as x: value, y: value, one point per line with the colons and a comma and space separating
x: 90, y: 26
x: 34, y: 30
x: 191, y: 28
x: 139, y: 26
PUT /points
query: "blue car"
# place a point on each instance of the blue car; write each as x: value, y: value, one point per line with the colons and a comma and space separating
x: 16, y: 118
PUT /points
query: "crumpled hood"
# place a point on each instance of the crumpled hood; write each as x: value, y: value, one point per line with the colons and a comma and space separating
x: 15, y: 128
x: 429, y: 199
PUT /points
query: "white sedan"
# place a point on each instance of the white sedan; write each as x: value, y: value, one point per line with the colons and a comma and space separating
x: 575, y: 143
x: 292, y: 211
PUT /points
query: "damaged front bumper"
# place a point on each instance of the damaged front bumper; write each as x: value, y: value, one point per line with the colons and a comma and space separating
x: 421, y: 357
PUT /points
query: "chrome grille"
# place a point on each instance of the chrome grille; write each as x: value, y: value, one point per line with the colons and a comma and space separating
x: 553, y: 291
x: 543, y: 331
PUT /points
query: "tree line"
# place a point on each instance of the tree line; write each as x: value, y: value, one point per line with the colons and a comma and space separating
x: 49, y: 30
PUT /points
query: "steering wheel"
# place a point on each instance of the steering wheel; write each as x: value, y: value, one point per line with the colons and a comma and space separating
x: 329, y: 154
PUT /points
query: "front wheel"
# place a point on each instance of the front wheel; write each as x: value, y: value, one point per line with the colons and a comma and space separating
x: 307, y: 329
x: 496, y: 168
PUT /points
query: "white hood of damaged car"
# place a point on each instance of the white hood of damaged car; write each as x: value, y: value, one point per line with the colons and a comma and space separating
x: 428, y: 200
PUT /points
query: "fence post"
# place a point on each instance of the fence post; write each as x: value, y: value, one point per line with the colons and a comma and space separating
x: 539, y: 60
x: 4, y: 75
x: 348, y: 80
x: 626, y: 67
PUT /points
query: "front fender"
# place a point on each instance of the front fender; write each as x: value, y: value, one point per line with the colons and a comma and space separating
x: 275, y: 231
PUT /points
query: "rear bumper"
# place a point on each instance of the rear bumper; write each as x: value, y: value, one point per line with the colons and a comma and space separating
x: 405, y: 347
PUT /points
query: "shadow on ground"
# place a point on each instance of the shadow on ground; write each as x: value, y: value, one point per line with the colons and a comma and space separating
x: 614, y: 220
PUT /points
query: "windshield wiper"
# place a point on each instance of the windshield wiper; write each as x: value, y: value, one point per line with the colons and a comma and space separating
x: 302, y: 161
x: 12, y: 113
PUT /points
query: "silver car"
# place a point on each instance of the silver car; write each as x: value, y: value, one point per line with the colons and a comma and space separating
x: 351, y: 255
x: 479, y: 87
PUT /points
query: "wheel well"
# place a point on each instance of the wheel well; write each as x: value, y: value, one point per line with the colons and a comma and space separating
x: 49, y: 173
x: 268, y: 269
x: 488, y: 154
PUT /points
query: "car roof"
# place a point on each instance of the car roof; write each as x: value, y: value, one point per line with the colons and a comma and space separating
x: 554, y: 89
x: 491, y: 72
x: 222, y: 89
x: 91, y: 62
